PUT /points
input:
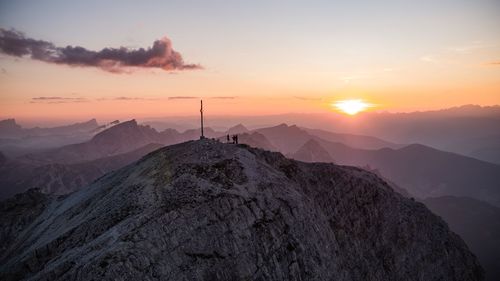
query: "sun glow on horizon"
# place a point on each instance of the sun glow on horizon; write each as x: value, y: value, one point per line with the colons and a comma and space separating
x: 352, y: 106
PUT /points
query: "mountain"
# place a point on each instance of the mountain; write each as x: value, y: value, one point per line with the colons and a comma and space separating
x: 256, y: 140
x: 204, y: 210
x: 18, y: 213
x: 288, y: 139
x: 478, y: 223
x: 426, y: 172
x: 486, y: 148
x: 238, y: 129
x: 16, y: 141
x: 355, y: 141
x: 121, y: 138
x: 71, y: 167
x: 421, y: 170
x: 56, y: 178
x: 444, y: 129
x: 10, y: 129
x: 312, y: 151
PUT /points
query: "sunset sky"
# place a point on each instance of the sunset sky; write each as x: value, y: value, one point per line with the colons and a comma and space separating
x: 256, y: 57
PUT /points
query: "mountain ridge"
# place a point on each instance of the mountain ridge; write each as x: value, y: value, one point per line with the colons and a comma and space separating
x: 208, y: 210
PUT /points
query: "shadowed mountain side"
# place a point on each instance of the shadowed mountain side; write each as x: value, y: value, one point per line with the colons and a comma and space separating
x: 118, y: 139
x: 355, y: 141
x: 478, y: 223
x: 426, y: 172
x: 288, y: 139
x: 16, y: 177
x: 19, y: 212
x: 394, y: 186
x: 484, y: 148
x: 238, y: 129
x: 312, y: 151
x: 204, y: 210
x: 256, y: 140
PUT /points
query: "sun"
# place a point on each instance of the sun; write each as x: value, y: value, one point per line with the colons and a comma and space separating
x: 351, y: 107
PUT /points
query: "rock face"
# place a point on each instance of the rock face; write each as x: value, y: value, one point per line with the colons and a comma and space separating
x: 205, y: 210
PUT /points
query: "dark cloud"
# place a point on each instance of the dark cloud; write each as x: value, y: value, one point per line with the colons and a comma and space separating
x: 116, y: 60
x: 182, y: 98
x: 57, y: 100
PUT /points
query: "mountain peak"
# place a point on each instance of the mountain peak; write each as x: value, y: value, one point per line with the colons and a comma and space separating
x: 120, y: 128
x: 9, y: 124
x: 237, y: 129
x: 312, y: 151
x: 206, y: 210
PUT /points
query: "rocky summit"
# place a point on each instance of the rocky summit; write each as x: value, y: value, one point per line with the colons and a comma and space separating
x: 204, y: 210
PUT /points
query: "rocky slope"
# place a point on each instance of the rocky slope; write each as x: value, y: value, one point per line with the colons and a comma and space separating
x: 205, y: 210
x: 55, y: 178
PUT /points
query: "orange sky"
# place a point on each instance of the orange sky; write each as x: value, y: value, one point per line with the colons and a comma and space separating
x: 434, y: 55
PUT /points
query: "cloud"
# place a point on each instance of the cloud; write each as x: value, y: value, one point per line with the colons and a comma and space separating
x: 57, y: 100
x: 493, y: 63
x: 225, y: 98
x: 132, y: 98
x: 116, y: 60
x: 182, y: 98
x: 307, y: 98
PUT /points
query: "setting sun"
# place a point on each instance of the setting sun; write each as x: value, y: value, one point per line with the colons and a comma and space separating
x: 351, y: 107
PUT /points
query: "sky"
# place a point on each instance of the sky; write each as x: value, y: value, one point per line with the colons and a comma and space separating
x: 253, y: 57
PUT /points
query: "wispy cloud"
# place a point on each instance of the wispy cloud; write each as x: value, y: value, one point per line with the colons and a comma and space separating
x: 182, y: 98
x: 126, y: 98
x: 493, y: 63
x: 225, y: 98
x: 308, y: 98
x: 116, y: 60
x: 469, y: 48
x: 58, y: 100
x: 132, y: 98
x: 428, y: 58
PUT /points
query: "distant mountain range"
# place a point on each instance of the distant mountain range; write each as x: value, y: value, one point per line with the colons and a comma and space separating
x: 10, y: 129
